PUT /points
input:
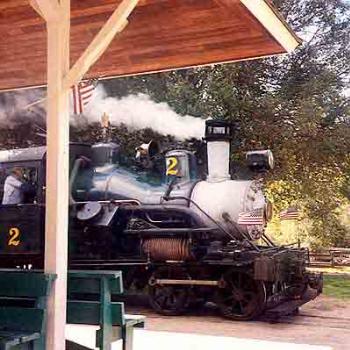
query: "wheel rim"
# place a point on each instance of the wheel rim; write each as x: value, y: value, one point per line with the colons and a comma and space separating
x: 168, y: 300
x: 242, y: 298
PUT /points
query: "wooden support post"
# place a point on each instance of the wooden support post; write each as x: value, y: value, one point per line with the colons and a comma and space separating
x: 59, y: 80
x: 57, y: 16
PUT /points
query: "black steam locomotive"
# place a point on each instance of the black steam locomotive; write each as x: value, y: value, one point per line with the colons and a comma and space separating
x: 185, y: 240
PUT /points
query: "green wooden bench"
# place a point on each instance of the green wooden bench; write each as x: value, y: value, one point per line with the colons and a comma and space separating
x: 23, y: 296
x: 90, y: 302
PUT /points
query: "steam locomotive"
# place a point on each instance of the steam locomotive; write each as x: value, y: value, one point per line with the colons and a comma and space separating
x: 185, y: 240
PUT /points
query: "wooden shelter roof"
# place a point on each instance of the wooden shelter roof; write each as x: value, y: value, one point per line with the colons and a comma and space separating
x: 161, y: 35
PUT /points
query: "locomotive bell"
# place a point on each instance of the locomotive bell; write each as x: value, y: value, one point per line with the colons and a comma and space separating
x: 148, y: 150
x: 218, y: 135
x: 146, y: 153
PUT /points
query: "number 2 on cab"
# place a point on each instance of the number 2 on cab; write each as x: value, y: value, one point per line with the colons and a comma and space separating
x: 14, y: 238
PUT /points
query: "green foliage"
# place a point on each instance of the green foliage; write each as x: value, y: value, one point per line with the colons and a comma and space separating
x: 337, y: 286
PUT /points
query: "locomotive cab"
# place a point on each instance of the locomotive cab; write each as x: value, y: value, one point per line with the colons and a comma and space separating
x: 22, y: 219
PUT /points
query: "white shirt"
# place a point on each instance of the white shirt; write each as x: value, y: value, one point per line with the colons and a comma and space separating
x: 12, y: 191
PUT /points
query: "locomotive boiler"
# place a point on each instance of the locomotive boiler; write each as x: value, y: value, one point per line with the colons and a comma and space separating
x: 185, y: 240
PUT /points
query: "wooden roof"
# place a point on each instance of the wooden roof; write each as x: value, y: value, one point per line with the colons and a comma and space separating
x: 161, y: 35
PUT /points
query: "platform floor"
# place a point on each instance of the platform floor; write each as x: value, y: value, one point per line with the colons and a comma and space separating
x: 154, y: 340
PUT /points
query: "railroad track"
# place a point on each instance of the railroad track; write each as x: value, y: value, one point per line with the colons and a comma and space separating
x: 313, y: 320
x: 302, y: 319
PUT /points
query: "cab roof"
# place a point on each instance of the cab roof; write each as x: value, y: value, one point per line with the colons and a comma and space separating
x: 34, y: 153
x: 23, y: 154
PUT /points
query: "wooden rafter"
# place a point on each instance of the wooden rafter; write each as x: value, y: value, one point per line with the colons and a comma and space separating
x: 115, y: 24
x: 50, y: 10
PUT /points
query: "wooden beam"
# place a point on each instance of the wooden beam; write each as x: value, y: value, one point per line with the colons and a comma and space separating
x: 277, y: 27
x: 37, y: 8
x: 50, y: 10
x: 57, y: 172
x: 115, y: 24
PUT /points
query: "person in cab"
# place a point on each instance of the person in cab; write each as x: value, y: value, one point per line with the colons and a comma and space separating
x: 13, y: 193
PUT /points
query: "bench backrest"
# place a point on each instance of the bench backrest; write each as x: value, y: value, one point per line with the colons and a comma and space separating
x: 95, y: 288
x: 89, y: 282
x: 23, y: 300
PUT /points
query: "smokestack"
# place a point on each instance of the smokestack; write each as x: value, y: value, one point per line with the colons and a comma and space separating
x: 218, y: 136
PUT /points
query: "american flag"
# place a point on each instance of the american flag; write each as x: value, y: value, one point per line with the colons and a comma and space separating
x: 289, y: 214
x: 253, y: 217
x: 82, y: 94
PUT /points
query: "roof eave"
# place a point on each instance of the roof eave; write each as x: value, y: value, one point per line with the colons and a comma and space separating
x: 271, y: 19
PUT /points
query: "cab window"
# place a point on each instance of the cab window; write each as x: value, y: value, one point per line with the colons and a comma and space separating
x: 18, y: 184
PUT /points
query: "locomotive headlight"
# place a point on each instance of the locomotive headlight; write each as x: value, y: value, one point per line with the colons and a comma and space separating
x: 271, y: 159
x: 260, y: 160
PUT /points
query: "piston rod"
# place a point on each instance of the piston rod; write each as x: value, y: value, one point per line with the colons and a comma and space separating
x: 185, y: 282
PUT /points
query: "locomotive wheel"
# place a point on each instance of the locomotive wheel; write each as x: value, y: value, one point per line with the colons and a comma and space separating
x: 169, y: 300
x: 242, y: 298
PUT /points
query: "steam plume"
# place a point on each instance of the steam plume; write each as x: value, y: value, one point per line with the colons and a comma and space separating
x: 136, y: 111
x: 13, y: 107
x: 139, y: 111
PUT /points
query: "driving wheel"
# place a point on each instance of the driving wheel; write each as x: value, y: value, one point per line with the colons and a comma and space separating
x: 169, y: 300
x: 241, y: 298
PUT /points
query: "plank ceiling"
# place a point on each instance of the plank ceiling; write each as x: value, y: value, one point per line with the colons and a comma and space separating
x: 161, y: 35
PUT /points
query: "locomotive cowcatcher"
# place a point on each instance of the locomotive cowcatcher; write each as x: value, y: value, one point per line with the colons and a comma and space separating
x: 185, y: 240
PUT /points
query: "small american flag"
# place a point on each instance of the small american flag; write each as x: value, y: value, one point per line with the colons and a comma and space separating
x: 253, y: 217
x: 82, y: 94
x: 289, y: 214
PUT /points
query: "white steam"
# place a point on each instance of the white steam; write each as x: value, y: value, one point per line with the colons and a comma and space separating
x: 14, y: 107
x: 136, y: 111
x: 139, y: 112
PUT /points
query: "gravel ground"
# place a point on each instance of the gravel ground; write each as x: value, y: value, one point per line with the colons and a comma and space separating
x: 324, y: 321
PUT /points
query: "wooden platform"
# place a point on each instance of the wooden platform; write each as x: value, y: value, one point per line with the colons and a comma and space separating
x: 150, y: 340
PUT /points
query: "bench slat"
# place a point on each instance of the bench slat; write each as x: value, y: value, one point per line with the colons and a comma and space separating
x: 14, y: 338
x: 88, y: 312
x: 95, y: 273
x: 21, y: 319
x: 92, y: 285
x: 25, y: 284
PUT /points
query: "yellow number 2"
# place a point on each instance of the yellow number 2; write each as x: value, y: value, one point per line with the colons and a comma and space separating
x: 14, y: 237
x: 171, y: 166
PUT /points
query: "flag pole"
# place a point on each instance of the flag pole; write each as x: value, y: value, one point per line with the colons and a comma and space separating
x: 35, y: 103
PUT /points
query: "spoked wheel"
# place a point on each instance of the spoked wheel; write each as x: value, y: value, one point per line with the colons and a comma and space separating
x: 242, y: 298
x: 169, y: 300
